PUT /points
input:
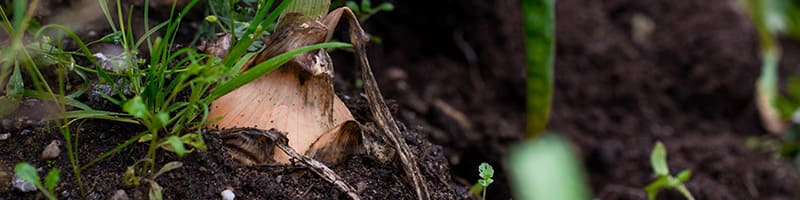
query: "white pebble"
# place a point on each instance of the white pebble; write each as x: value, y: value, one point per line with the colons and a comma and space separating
x: 22, y: 185
x: 227, y: 195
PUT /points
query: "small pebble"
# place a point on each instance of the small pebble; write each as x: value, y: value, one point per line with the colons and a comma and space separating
x: 51, y: 151
x: 227, y: 194
x: 22, y: 185
x: 4, y: 136
x: 119, y: 195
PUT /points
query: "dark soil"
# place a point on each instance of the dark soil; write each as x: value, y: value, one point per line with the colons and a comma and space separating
x: 689, y: 84
x: 454, y: 73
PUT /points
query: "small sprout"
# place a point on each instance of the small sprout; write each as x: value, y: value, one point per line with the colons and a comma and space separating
x: 486, y: 172
x: 29, y: 174
x: 658, y: 160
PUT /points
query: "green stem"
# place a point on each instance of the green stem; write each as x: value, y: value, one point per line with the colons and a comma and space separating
x: 311, y: 8
x: 685, y: 192
x: 539, y: 19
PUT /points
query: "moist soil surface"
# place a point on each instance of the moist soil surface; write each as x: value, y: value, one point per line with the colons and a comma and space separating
x: 453, y: 73
x: 688, y: 83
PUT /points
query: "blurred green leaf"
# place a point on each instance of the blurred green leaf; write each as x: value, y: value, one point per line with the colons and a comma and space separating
x: 539, y: 20
x: 28, y: 173
x: 353, y: 6
x: 135, y: 107
x: 155, y: 191
x: 658, y: 159
x: 684, y: 175
x: 546, y: 169
x: 385, y: 6
x: 176, y: 145
x: 168, y: 167
x: 194, y: 140
x: 14, y: 90
x: 51, y: 180
x: 653, y: 188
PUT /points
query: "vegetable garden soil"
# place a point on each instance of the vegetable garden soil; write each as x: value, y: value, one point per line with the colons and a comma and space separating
x: 455, y: 79
x: 689, y: 83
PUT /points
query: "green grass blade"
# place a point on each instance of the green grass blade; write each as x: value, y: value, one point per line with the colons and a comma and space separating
x: 539, y: 20
x: 266, y: 67
x: 98, y: 114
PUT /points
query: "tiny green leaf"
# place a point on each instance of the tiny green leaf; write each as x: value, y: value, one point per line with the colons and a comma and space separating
x: 155, y: 191
x: 485, y: 182
x: 353, y: 6
x: 366, y: 6
x: 485, y: 171
x: 161, y: 119
x: 28, y: 173
x: 129, y: 177
x: 194, y: 140
x: 654, y: 187
x: 684, y: 175
x: 176, y: 145
x: 385, y: 6
x: 168, y: 167
x: 658, y: 159
x: 51, y: 179
x: 135, y: 107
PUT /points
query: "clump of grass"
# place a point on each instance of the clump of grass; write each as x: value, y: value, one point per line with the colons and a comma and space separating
x: 664, y: 180
x: 168, y: 94
x: 29, y: 174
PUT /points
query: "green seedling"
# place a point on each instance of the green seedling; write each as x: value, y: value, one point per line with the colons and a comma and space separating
x: 486, y: 172
x: 29, y: 174
x: 664, y: 180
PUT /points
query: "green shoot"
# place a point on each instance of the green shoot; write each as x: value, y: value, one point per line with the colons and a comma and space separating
x: 658, y: 160
x: 29, y: 174
x: 539, y: 21
x: 486, y: 172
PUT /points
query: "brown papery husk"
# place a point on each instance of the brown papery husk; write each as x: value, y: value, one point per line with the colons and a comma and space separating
x: 297, y: 98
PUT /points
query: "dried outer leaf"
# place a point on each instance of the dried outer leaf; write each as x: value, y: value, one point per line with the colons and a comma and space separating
x: 380, y: 112
x: 248, y: 150
x: 297, y: 98
x: 340, y: 142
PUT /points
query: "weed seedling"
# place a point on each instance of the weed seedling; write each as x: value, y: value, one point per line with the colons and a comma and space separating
x: 486, y: 172
x: 29, y: 174
x: 658, y: 159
